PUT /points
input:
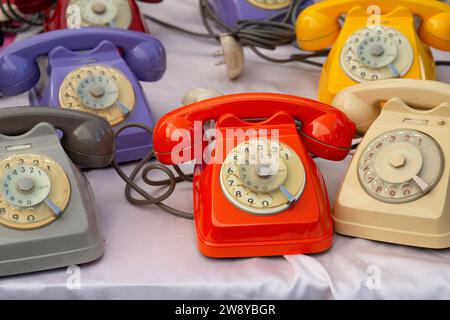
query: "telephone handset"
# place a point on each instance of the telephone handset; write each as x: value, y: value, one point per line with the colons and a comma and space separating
x: 260, y: 193
x: 95, y: 70
x: 363, y: 103
x: 400, y: 173
x: 374, y: 45
x: 73, y: 14
x: 48, y: 217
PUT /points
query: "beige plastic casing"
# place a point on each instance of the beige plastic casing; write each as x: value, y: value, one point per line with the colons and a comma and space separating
x: 362, y: 102
x: 424, y: 222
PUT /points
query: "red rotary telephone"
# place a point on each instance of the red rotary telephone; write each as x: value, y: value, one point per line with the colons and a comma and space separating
x: 124, y: 14
x: 245, y: 206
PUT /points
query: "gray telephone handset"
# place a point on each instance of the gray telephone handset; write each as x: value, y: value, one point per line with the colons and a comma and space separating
x: 48, y: 217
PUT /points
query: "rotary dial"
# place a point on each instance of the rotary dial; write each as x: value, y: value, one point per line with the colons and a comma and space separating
x: 262, y: 177
x: 103, y: 13
x: 401, y: 166
x: 34, y: 191
x: 100, y: 90
x: 271, y: 4
x: 376, y: 53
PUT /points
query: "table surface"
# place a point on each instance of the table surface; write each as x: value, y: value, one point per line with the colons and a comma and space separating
x: 153, y: 255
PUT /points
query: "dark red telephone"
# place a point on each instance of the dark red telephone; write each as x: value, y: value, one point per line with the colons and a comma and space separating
x: 259, y: 192
x: 122, y: 14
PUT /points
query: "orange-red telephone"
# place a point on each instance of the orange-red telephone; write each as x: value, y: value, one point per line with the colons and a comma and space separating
x: 258, y: 192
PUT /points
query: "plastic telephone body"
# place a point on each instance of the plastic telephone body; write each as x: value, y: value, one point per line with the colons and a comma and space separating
x: 367, y: 48
x: 29, y: 144
x: 228, y: 228
x: 74, y: 79
x: 232, y: 11
x: 58, y: 18
x: 397, y: 186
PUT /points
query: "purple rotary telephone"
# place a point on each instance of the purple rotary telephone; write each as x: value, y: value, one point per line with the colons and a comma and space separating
x: 95, y: 70
x: 231, y: 11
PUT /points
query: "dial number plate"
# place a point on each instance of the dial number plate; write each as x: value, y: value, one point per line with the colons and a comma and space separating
x: 102, y: 13
x: 262, y: 177
x: 376, y: 53
x: 34, y: 191
x: 98, y: 89
x: 271, y: 4
x: 400, y: 166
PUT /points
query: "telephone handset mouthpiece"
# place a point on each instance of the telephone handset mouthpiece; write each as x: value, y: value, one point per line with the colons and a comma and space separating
x: 87, y: 139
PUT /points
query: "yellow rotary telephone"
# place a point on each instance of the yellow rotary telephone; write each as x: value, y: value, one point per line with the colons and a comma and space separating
x: 377, y: 41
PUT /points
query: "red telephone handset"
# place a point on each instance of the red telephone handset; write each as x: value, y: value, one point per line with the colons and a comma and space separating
x: 264, y: 195
x: 326, y: 131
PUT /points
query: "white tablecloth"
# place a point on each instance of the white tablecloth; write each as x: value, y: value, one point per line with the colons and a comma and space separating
x: 153, y: 255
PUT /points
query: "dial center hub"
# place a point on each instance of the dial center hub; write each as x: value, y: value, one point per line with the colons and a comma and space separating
x: 97, y: 91
x: 99, y: 8
x: 25, y: 184
x: 397, y: 160
x: 376, y: 50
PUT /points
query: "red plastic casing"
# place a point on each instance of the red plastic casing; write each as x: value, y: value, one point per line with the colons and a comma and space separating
x: 56, y: 18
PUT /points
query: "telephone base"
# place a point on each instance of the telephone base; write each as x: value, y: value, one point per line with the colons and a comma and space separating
x: 403, y: 237
x: 263, y: 248
x: 52, y: 261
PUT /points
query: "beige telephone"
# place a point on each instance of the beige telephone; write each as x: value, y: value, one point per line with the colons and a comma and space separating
x: 397, y: 188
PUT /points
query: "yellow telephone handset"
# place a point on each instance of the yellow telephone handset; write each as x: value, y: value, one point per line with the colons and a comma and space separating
x: 363, y: 103
x: 318, y: 27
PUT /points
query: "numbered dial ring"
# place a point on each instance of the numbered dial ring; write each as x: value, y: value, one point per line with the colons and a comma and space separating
x: 401, y: 166
x: 100, y: 13
x: 34, y: 191
x: 376, y: 53
x: 271, y: 4
x: 262, y: 177
x: 100, y: 90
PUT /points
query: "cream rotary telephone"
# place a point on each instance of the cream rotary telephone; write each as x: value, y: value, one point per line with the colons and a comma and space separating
x: 397, y: 186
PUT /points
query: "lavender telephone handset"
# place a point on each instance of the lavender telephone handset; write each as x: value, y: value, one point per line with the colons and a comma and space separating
x: 48, y: 217
x: 95, y: 70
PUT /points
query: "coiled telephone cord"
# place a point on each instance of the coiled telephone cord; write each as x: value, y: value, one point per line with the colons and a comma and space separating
x: 144, y: 169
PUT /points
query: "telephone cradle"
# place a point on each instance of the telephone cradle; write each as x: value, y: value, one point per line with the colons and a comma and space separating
x: 48, y: 217
x: 243, y: 206
x: 95, y: 70
x: 397, y: 186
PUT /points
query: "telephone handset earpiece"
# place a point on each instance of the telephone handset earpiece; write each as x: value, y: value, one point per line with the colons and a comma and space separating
x: 144, y: 55
x: 326, y: 132
x: 317, y: 26
x: 362, y: 103
x: 87, y: 139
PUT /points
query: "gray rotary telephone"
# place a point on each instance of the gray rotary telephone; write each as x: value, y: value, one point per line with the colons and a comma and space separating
x: 48, y: 217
